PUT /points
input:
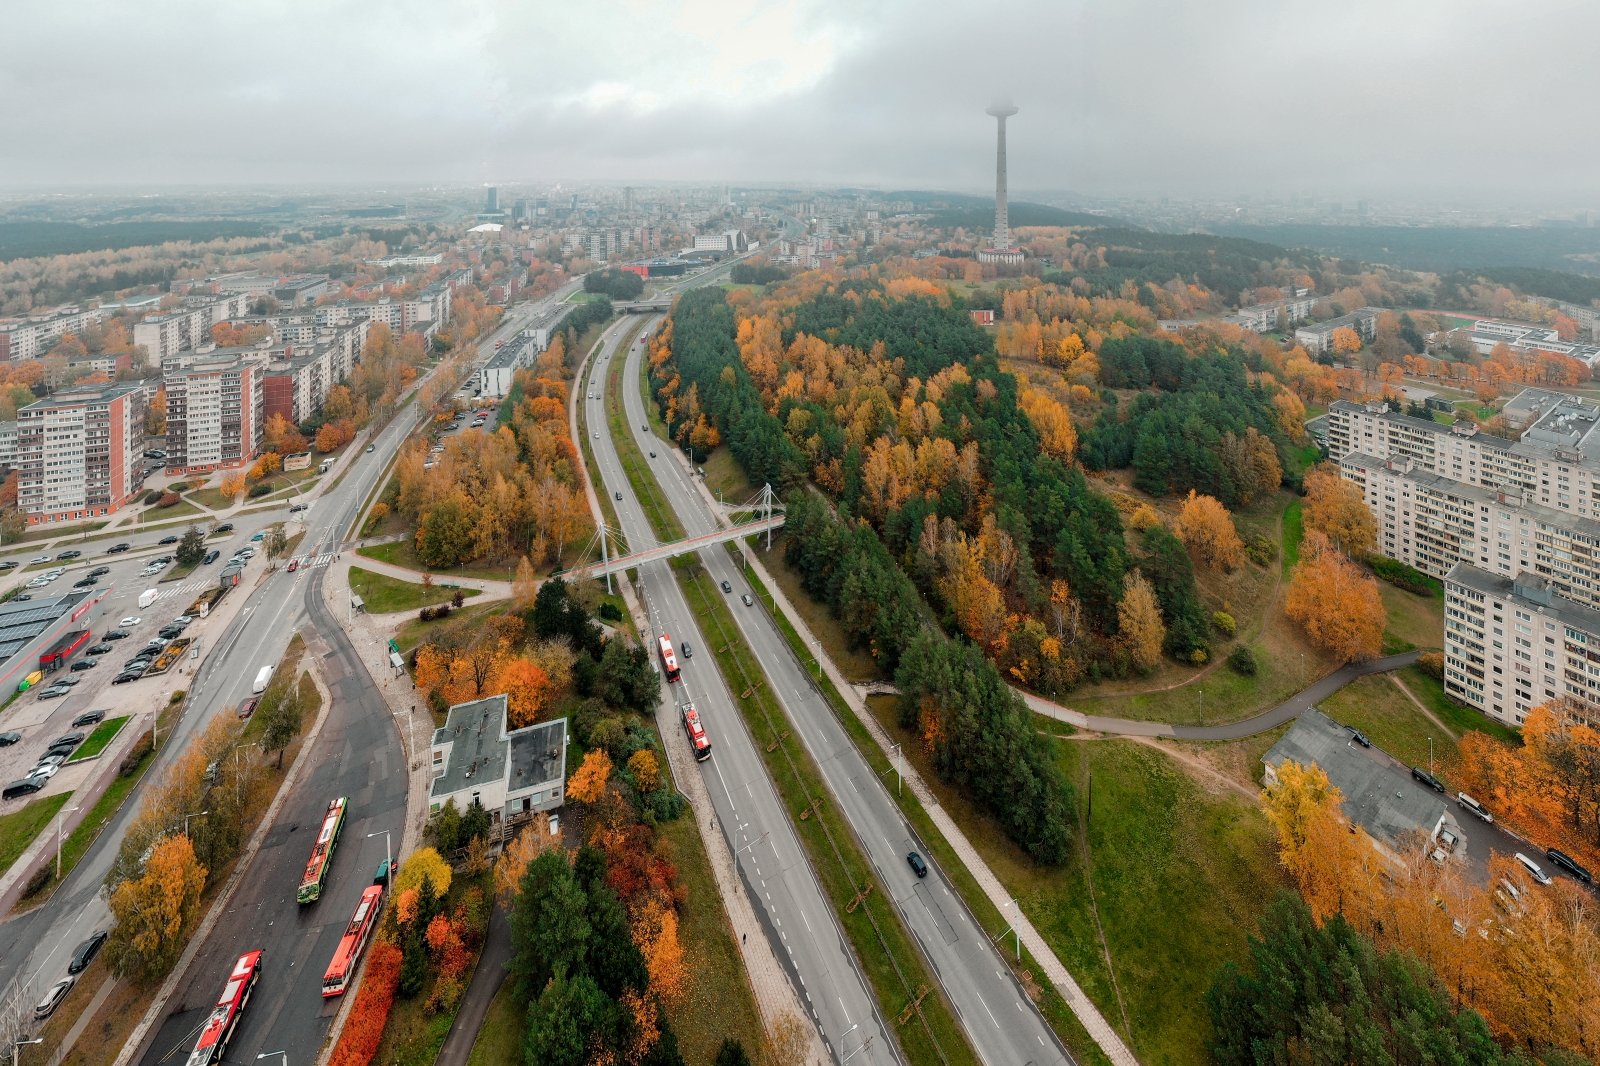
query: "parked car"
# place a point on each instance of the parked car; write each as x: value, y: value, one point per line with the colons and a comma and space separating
x: 297, y: 508
x: 43, y: 772
x: 918, y: 866
x: 8, y: 739
x: 86, y: 952
x: 183, y: 620
x: 115, y: 634
x: 52, y: 999
x: 1534, y: 871
x: 118, y: 548
x: 53, y: 761
x: 138, y: 662
x: 97, y: 649
x: 259, y: 537
x: 24, y: 598
x: 39, y: 559
x: 54, y: 692
x: 8, y: 565
x: 86, y: 582
x: 100, y: 571
x: 168, y: 540
x: 1424, y: 777
x: 68, y: 738
x: 65, y: 682
x: 226, y: 527
x: 23, y: 787
x: 37, y: 583
x: 84, y: 664
x: 157, y: 643
x: 1566, y: 862
x: 126, y: 676
x: 129, y: 622
x: 70, y: 553
x: 210, y: 557
x: 88, y: 718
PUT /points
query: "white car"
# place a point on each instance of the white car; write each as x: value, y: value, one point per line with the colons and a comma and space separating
x: 129, y: 622
x: 37, y: 583
x: 43, y: 773
x: 40, y: 559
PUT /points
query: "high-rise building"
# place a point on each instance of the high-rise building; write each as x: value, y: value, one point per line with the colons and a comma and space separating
x: 1002, y: 251
x: 77, y: 453
x: 491, y: 200
x: 215, y: 415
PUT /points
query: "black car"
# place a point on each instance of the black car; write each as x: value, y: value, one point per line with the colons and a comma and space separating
x: 726, y: 587
x: 116, y: 634
x: 21, y: 599
x: 138, y: 662
x: 84, y: 664
x: 65, y: 682
x: 1428, y: 779
x: 918, y: 867
x: 22, y: 788
x: 63, y: 750
x: 171, y: 633
x: 97, y: 649
x: 67, y: 738
x: 1359, y: 737
x: 100, y: 571
x: 226, y: 527
x: 118, y: 549
x: 8, y: 739
x: 9, y: 564
x: 88, y: 718
x: 1569, y: 864
x: 210, y: 557
x: 86, y: 582
x: 70, y: 553
x: 298, y: 507
x: 167, y: 540
x: 86, y: 952
x: 126, y: 676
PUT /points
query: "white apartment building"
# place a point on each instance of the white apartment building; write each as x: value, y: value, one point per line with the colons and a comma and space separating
x: 77, y: 453
x: 1318, y: 338
x: 215, y: 415
x: 29, y: 338
x: 165, y: 336
x: 1511, y: 644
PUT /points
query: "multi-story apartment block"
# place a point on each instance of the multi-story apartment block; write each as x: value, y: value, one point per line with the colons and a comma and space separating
x: 1512, y: 643
x: 31, y: 337
x: 1265, y: 317
x: 8, y: 446
x: 165, y: 337
x: 1318, y: 338
x: 77, y: 453
x: 414, y: 259
x: 215, y: 415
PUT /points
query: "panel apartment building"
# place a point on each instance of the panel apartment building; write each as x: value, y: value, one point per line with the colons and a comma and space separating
x: 215, y: 415
x: 77, y: 453
x: 1513, y: 530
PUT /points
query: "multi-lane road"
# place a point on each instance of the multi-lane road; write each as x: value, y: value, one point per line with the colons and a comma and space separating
x: 358, y: 754
x: 999, y: 1019
x: 771, y: 860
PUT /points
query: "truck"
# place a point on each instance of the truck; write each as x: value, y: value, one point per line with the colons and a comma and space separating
x: 146, y: 598
x: 327, y: 465
x: 262, y: 677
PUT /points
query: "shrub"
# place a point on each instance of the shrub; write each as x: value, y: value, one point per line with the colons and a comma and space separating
x: 130, y: 762
x: 1242, y: 661
x: 1402, y: 576
x: 1224, y: 623
x: 433, y: 614
x: 458, y: 599
x: 1259, y: 550
x: 1198, y: 657
x: 1432, y: 664
x: 152, y: 496
x: 363, y: 1030
x: 610, y: 612
x: 168, y: 499
x: 36, y: 884
x: 177, y: 695
x: 260, y: 489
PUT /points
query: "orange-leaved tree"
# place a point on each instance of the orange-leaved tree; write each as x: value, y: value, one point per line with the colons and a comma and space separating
x: 1206, y: 529
x: 588, y: 781
x: 526, y: 687
x: 231, y: 485
x: 1346, y: 340
x: 1336, y: 508
x: 363, y: 1030
x: 1335, y: 601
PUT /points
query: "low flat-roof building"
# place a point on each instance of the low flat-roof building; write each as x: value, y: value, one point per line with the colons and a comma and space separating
x: 513, y: 773
x: 1380, y: 797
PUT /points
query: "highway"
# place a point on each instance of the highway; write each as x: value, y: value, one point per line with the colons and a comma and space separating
x: 357, y: 754
x: 999, y: 1018
x: 772, y: 863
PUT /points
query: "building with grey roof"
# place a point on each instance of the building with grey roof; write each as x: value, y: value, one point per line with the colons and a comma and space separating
x: 1318, y: 338
x: 1378, y: 796
x: 28, y: 627
x: 512, y: 773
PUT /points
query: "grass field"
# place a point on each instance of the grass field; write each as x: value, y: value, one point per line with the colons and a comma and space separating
x: 1380, y: 710
x: 1457, y: 716
x: 725, y: 475
x: 383, y: 594
x: 96, y: 742
x: 403, y: 553
x: 720, y: 989
x: 414, y: 631
x: 499, y: 1041
x: 19, y: 828
x: 1414, y: 621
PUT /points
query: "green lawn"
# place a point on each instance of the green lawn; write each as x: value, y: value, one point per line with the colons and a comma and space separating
x: 646, y: 489
x: 499, y: 1040
x: 212, y: 499
x: 384, y: 594
x: 720, y: 992
x: 414, y: 631
x: 724, y: 474
x: 1293, y: 532
x: 1414, y: 621
x: 19, y: 828
x: 96, y: 742
x: 181, y: 509
x: 403, y: 552
x: 1457, y: 716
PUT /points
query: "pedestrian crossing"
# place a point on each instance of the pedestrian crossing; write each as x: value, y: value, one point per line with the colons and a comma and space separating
x: 186, y: 588
x: 308, y: 561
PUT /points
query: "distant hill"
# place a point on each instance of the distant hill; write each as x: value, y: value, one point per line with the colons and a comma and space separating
x: 980, y: 216
x: 22, y: 240
x: 1573, y: 288
x: 1442, y: 249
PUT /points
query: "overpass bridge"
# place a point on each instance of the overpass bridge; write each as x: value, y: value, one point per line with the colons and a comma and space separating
x: 618, y: 564
x: 659, y: 305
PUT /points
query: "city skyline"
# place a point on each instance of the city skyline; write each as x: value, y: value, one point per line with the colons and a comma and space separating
x: 1191, y: 103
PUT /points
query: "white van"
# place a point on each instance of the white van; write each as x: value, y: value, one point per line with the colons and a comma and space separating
x: 262, y: 677
x: 1474, y: 806
x: 147, y: 597
x: 1538, y: 875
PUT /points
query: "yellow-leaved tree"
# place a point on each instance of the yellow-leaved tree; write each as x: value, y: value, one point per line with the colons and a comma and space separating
x: 1206, y: 529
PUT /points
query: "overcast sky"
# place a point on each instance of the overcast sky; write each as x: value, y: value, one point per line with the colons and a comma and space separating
x: 1448, y: 98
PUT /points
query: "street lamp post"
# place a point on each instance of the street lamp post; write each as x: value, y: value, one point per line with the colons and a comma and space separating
x: 59, y: 815
x: 17, y: 1045
x: 388, y: 856
x: 196, y: 814
x: 1012, y: 928
x: 411, y: 728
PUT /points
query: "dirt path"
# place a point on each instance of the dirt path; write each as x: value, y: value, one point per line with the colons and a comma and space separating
x: 1197, y: 764
x: 1401, y: 685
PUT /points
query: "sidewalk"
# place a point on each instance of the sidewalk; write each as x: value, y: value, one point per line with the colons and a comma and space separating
x: 494, y: 590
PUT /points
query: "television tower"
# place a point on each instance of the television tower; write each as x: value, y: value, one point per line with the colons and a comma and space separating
x: 1002, y: 251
